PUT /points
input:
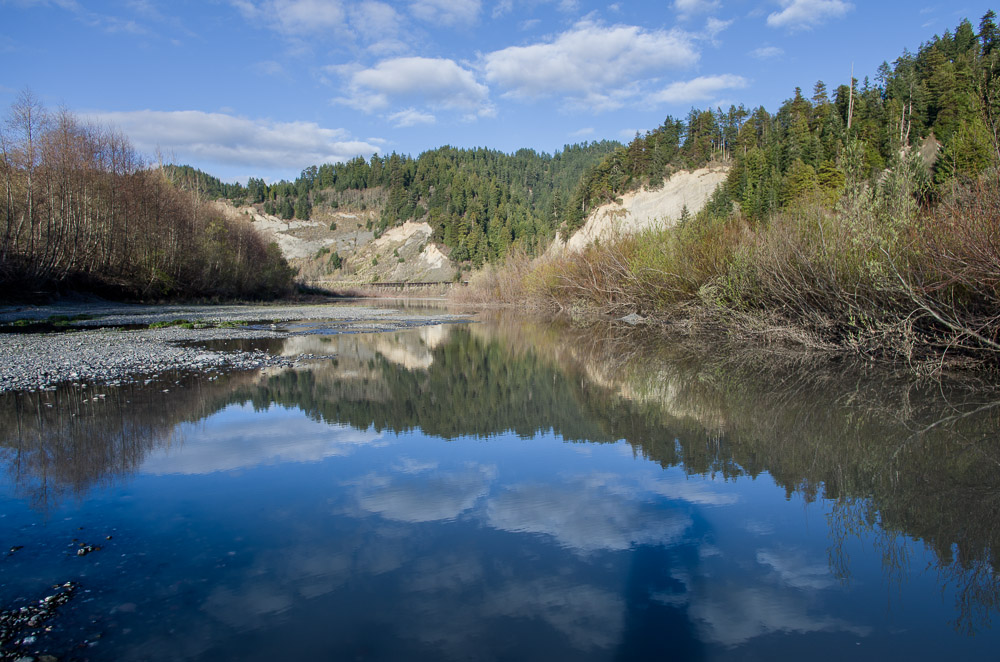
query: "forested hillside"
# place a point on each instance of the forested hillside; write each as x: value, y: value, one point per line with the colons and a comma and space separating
x: 479, y: 202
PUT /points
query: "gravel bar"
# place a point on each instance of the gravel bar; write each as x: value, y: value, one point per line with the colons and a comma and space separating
x: 102, y: 353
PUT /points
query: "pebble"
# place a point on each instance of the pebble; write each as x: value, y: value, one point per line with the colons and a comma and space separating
x: 39, y: 361
x: 13, y: 622
x: 86, y: 549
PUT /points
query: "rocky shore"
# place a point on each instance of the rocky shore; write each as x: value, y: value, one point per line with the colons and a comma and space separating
x: 110, y: 346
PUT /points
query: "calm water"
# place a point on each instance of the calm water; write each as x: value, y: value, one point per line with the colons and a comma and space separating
x: 507, y: 490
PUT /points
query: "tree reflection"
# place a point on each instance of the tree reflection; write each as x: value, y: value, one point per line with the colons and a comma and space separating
x: 61, y: 443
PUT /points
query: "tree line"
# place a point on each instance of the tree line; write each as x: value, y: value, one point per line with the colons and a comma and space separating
x: 81, y: 209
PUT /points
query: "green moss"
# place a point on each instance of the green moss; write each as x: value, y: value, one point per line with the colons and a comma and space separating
x: 177, y: 322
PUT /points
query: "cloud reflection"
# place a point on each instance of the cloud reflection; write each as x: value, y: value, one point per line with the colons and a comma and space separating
x: 225, y: 443
x: 457, y: 601
x: 584, y: 517
x: 735, y: 615
x: 590, y: 617
x: 783, y: 593
x: 424, y: 495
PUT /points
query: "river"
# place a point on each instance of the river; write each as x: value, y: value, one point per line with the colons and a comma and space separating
x: 506, y: 489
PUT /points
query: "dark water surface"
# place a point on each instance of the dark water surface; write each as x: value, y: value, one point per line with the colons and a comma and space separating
x: 507, y: 490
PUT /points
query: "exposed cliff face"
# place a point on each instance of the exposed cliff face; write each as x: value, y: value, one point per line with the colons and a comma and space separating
x: 339, y: 231
x: 404, y: 253
x: 643, y: 209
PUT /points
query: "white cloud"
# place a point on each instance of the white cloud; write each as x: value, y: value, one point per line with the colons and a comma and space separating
x: 586, y: 131
x: 411, y: 117
x: 804, y: 14
x: 502, y: 7
x: 249, y: 10
x: 380, y: 26
x: 587, y: 616
x: 376, y: 25
x: 767, y: 52
x: 702, y: 88
x: 409, y: 465
x: 592, y: 65
x: 435, y: 82
x: 236, y: 141
x: 115, y: 24
x: 296, y: 17
x: 686, y: 8
x: 714, y: 26
x: 269, y: 68
x: 447, y: 12
x: 505, y: 7
x: 376, y: 19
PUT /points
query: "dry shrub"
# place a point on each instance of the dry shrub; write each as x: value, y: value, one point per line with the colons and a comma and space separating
x: 961, y: 241
x: 505, y: 283
x: 829, y: 272
x: 649, y: 273
x: 954, y: 280
x: 597, y: 277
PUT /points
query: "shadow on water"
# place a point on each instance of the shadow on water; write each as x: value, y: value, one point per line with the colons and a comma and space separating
x: 897, y: 458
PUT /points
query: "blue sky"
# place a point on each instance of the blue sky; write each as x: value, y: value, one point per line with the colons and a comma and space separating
x: 265, y: 88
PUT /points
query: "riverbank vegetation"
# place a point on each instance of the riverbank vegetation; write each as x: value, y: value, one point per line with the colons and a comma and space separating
x: 82, y: 210
x: 869, y: 221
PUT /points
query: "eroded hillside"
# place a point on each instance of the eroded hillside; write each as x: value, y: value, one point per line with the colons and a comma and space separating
x: 340, y: 246
x: 645, y: 208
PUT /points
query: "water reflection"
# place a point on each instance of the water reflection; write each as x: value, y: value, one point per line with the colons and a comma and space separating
x: 423, y: 493
x: 63, y: 442
x: 506, y: 533
x: 586, y: 513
